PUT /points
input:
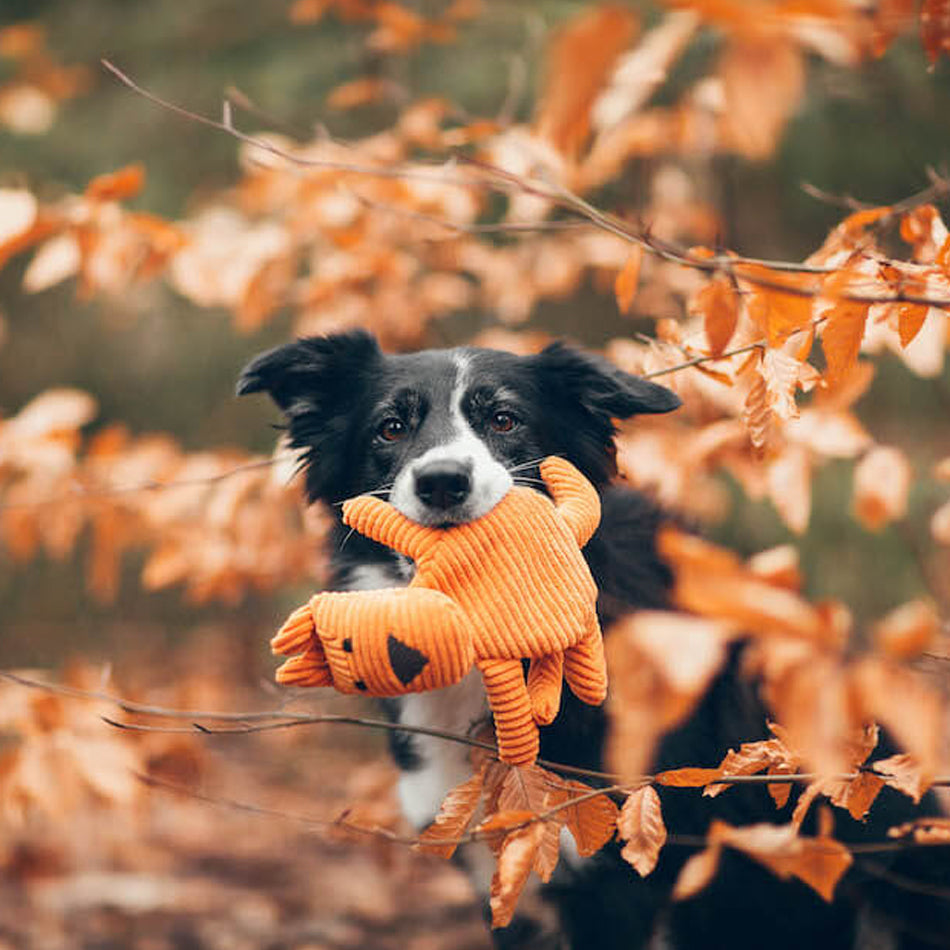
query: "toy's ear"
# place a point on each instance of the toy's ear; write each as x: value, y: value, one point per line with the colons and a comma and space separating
x: 320, y: 385
x: 601, y: 388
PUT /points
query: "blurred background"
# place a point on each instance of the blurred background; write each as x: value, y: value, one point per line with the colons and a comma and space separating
x: 858, y: 111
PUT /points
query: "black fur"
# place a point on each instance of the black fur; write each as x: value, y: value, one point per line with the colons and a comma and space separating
x: 335, y: 391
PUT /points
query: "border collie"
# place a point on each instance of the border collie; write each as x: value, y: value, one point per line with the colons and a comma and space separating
x: 443, y: 435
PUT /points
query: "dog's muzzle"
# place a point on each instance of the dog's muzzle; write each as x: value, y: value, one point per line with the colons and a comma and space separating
x: 443, y: 484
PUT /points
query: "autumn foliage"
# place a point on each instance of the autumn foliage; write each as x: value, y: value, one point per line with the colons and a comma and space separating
x: 443, y: 212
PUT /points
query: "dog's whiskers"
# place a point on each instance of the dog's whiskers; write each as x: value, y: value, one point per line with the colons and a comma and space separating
x: 380, y: 492
x: 349, y: 534
x: 523, y: 465
x: 525, y: 480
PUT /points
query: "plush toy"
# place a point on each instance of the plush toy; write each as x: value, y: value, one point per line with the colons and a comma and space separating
x: 511, y: 585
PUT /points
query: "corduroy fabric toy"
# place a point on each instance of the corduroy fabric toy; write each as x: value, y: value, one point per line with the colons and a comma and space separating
x: 509, y: 586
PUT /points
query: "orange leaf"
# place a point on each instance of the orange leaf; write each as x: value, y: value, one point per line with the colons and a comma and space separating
x: 910, y: 318
x: 763, y: 81
x: 752, y: 757
x: 641, y: 825
x: 687, y: 778
x: 924, y: 830
x: 779, y: 313
x: 819, y: 862
x: 904, y: 774
x: 592, y: 822
x: 358, y: 92
x: 881, y: 487
x: 115, y: 186
x: 711, y: 581
x: 625, y: 286
x: 719, y: 307
x: 696, y: 873
x: 907, y: 630
x: 857, y: 794
x: 457, y: 810
x: 905, y: 703
x: 578, y: 63
x: 515, y: 860
x: 935, y: 28
x: 757, y: 412
x: 844, y: 326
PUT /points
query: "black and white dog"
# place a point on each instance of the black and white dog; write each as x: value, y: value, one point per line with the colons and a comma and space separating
x: 443, y: 435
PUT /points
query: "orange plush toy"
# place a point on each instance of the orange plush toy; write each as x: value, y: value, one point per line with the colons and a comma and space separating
x: 509, y: 586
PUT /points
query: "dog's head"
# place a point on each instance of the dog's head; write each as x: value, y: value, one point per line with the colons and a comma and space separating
x: 443, y: 434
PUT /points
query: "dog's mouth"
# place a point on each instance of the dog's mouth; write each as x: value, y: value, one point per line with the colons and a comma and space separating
x: 468, y: 511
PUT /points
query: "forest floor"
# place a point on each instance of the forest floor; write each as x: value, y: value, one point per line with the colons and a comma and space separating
x: 101, y: 847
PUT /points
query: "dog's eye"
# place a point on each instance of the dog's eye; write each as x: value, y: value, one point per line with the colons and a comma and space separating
x: 503, y: 421
x: 392, y: 430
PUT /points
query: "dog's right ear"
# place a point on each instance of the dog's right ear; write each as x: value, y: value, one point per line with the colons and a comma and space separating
x: 307, y: 375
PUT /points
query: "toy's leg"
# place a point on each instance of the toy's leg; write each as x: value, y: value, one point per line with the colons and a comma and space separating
x: 545, y: 676
x: 298, y: 635
x: 515, y: 728
x: 585, y: 669
x: 308, y: 669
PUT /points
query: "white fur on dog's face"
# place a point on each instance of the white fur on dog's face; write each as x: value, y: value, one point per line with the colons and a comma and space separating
x: 490, y: 479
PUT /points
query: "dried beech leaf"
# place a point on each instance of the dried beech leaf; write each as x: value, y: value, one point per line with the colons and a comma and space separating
x: 579, y: 62
x: 591, y: 822
x: 844, y: 325
x: 625, y: 286
x: 641, y: 826
x: 910, y: 318
x: 688, y: 777
x: 515, y: 860
x: 857, y: 794
x: 882, y: 482
x: 935, y: 28
x: 903, y: 773
x: 908, y: 630
x: 712, y: 582
x: 719, y: 306
x: 456, y: 812
x: 757, y: 412
x: 778, y: 312
x: 696, y: 873
x: 923, y: 830
x: 906, y: 704
x: 751, y: 757
x: 819, y: 862
x: 114, y: 186
x: 763, y: 80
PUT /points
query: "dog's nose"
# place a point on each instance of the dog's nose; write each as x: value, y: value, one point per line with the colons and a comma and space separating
x: 444, y: 484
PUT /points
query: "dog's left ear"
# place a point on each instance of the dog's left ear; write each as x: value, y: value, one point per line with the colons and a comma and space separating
x: 601, y: 388
x: 319, y: 383
x: 312, y: 372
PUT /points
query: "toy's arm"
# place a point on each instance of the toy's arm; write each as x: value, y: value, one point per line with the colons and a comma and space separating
x: 576, y: 499
x: 382, y: 522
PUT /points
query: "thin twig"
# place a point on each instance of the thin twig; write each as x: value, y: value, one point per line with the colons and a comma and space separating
x: 226, y: 124
x: 262, y: 721
x: 507, y: 181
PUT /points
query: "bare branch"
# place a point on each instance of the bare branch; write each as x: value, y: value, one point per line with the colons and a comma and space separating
x: 150, y: 486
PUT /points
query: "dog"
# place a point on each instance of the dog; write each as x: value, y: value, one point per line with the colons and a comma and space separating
x: 442, y: 435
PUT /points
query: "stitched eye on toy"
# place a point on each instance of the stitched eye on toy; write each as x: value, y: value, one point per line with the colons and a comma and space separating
x: 392, y: 429
x: 503, y: 421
